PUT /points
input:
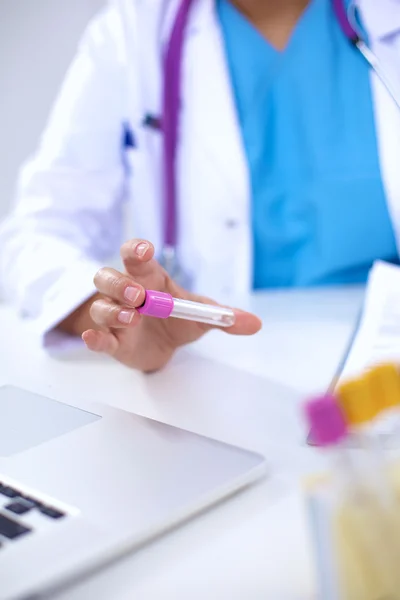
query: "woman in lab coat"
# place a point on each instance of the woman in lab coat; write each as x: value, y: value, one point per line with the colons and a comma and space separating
x: 284, y: 171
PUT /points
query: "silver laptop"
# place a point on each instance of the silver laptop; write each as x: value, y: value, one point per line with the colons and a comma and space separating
x: 81, y: 484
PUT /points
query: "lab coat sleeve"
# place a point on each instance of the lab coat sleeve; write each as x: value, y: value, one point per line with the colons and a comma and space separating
x: 67, y: 218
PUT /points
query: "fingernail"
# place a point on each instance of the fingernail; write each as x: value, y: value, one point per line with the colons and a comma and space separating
x: 126, y: 316
x: 131, y: 294
x: 142, y: 248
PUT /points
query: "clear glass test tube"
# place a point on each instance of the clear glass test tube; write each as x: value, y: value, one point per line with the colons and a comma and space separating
x: 162, y: 306
x: 203, y: 313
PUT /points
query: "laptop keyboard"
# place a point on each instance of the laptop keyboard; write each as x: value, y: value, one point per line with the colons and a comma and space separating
x: 20, y: 515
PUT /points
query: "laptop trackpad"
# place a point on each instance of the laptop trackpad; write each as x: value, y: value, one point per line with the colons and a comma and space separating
x: 27, y: 420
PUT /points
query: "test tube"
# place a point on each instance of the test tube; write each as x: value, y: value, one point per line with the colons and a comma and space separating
x: 162, y: 306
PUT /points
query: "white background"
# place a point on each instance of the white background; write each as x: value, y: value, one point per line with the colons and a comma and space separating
x: 37, y: 41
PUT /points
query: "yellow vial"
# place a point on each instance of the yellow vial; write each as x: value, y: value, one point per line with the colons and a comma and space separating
x: 358, y: 401
x: 364, y: 398
x: 384, y: 384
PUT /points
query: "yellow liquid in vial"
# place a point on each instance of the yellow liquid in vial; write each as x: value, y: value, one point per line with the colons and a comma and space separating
x: 367, y: 541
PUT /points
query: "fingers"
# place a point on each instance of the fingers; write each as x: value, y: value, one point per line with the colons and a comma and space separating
x: 107, y: 314
x: 100, y: 341
x: 137, y: 256
x: 120, y: 288
x: 245, y: 323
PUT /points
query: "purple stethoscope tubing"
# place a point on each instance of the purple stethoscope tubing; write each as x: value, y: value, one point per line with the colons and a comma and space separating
x: 171, y: 107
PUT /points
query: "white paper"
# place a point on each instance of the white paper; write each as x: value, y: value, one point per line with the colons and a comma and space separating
x: 378, y: 337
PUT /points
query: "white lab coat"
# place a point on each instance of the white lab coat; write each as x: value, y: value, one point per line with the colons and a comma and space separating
x: 80, y: 196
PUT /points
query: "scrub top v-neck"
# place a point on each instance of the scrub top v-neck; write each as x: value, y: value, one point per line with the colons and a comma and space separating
x: 319, y: 213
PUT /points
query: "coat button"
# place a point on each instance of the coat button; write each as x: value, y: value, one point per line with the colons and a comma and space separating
x: 231, y: 223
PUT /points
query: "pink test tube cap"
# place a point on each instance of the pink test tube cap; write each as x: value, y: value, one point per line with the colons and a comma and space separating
x: 326, y: 420
x: 157, y: 304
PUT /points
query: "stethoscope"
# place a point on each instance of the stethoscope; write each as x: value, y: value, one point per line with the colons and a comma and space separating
x: 170, y: 121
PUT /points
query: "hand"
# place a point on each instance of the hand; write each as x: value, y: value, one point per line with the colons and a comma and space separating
x: 141, y: 342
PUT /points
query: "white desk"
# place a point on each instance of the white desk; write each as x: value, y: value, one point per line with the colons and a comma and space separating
x: 254, y: 546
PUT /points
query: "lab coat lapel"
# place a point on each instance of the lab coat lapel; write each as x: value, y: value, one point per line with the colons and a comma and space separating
x: 380, y: 17
x: 207, y: 100
x: 214, y: 232
x: 387, y: 117
x: 214, y: 191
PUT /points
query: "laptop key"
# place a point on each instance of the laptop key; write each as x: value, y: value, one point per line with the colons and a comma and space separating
x: 10, y: 529
x: 18, y: 507
x: 51, y: 512
x: 8, y: 491
x: 31, y: 501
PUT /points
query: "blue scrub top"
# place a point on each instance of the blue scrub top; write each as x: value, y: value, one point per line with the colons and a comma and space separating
x: 319, y: 213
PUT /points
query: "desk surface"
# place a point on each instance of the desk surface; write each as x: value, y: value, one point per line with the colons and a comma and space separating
x: 254, y: 546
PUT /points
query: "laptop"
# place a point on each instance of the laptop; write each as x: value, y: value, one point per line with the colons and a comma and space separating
x: 82, y: 484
